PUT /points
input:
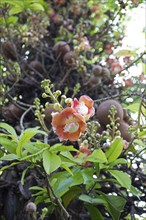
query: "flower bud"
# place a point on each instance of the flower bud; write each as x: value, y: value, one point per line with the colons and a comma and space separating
x: 44, y: 95
x: 57, y: 107
x: 31, y: 207
x: 68, y: 101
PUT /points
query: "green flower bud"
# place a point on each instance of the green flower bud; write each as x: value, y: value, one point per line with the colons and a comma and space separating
x: 57, y: 107
x: 44, y: 95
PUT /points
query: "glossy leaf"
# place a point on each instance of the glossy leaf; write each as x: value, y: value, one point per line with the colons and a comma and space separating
x: 26, y: 136
x: 10, y: 157
x: 95, y: 214
x: 97, y: 156
x: 62, y: 148
x: 92, y: 200
x: 10, y: 130
x: 50, y: 161
x: 8, y: 144
x: 15, y: 10
x: 70, y: 195
x: 114, y: 150
x: 123, y: 178
x: 37, y: 7
x: 114, y: 205
x: 134, y: 107
x: 118, y: 161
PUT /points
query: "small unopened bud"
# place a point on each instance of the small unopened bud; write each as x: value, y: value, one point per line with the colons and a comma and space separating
x: 63, y: 96
x: 31, y: 207
x: 47, y: 104
x: 68, y: 101
x: 44, y: 95
x: 58, y: 92
x: 57, y: 107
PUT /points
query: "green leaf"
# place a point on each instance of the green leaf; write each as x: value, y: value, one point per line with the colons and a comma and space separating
x: 114, y: 150
x: 114, y: 205
x: 37, y: 7
x: 118, y: 161
x: 65, y: 180
x: 97, y: 156
x: 10, y: 157
x: 125, y: 53
x: 26, y: 136
x: 50, y: 161
x: 87, y: 174
x: 37, y: 154
x: 37, y: 188
x: 123, y: 178
x: 63, y: 165
x: 10, y: 130
x: 70, y: 195
x: 91, y: 200
x: 24, y: 172
x: 6, y: 167
x: 60, y: 147
x: 61, y: 182
x: 135, y: 191
x: 1, y: 153
x: 8, y: 144
x: 95, y: 214
x: 133, y: 107
x: 12, y: 20
x: 15, y: 10
x: 68, y: 155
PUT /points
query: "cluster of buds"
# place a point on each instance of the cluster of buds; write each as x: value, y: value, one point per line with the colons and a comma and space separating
x: 112, y: 127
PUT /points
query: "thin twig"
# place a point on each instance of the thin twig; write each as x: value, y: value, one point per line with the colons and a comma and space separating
x: 22, y: 118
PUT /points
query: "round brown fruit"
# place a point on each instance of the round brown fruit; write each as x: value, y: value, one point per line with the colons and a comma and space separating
x: 61, y: 48
x: 70, y: 59
x: 97, y: 70
x: 103, y: 111
x: 36, y: 65
x: 123, y: 128
x: 48, y: 112
x: 127, y: 117
x: 9, y: 51
x: 12, y: 112
x: 105, y: 72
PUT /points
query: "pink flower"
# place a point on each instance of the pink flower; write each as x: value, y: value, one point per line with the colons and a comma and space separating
x: 84, y: 106
x: 116, y: 67
x: 128, y: 82
x: 68, y: 124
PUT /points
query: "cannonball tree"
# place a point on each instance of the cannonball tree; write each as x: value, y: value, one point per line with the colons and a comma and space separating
x: 72, y: 122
